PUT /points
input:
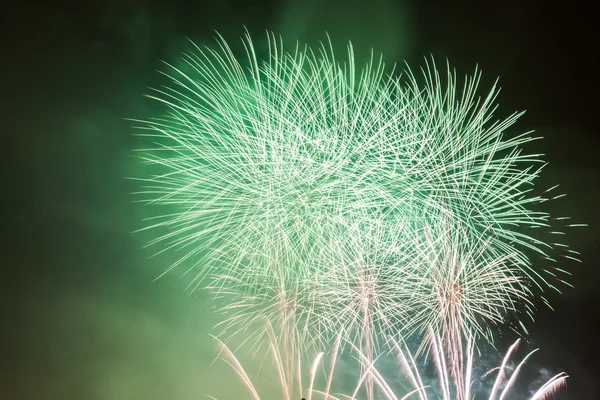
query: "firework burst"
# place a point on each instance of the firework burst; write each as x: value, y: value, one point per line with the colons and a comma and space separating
x: 293, y: 382
x: 455, y: 286
x: 301, y: 147
x: 291, y: 377
x: 460, y: 387
x: 354, y: 199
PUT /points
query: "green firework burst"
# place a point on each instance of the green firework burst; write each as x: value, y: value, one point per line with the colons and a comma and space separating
x: 379, y: 199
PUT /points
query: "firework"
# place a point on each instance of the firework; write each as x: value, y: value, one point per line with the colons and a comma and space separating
x: 299, y: 149
x: 460, y: 387
x: 292, y: 382
x: 290, y: 374
x: 354, y: 297
x: 372, y: 289
x: 455, y: 286
x: 354, y: 199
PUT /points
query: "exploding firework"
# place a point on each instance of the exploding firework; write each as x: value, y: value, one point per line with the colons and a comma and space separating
x: 292, y: 382
x: 355, y: 199
x: 290, y: 375
x: 460, y: 387
x: 355, y: 297
x: 371, y: 291
x: 299, y: 149
x: 454, y: 286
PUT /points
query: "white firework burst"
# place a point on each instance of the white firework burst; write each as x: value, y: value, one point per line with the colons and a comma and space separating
x: 293, y: 382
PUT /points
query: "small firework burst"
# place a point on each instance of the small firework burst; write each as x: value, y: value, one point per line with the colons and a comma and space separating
x: 294, y: 381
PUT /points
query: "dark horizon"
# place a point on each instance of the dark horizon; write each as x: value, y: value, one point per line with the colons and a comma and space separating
x: 81, y: 308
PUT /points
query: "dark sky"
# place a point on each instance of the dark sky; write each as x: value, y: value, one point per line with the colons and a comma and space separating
x: 82, y: 319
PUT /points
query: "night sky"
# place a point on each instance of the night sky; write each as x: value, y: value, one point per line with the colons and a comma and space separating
x: 82, y: 318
